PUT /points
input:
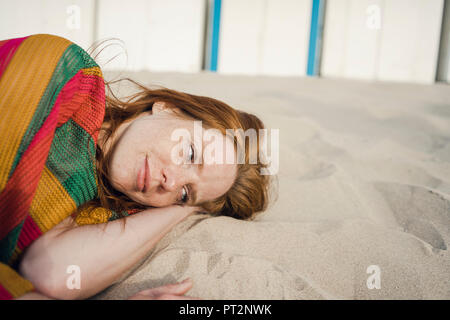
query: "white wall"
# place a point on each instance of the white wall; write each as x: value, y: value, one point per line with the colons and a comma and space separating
x: 20, y: 18
x: 349, y: 47
x: 264, y: 37
x: 159, y: 35
x: 267, y: 37
x: 444, y: 63
x: 404, y: 48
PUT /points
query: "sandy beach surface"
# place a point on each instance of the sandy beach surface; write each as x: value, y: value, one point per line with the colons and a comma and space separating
x: 363, y: 183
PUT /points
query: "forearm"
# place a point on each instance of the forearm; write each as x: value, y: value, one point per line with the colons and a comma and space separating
x: 102, y: 253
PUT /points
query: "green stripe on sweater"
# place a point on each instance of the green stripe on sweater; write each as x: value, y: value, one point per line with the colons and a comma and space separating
x: 72, y: 60
x: 70, y: 160
x: 8, y: 243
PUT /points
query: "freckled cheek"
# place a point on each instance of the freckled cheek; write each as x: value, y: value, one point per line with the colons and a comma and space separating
x: 162, y: 156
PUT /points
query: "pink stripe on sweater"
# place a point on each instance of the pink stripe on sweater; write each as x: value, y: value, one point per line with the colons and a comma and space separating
x: 4, y: 294
x: 7, y: 51
x: 27, y: 173
x: 30, y: 232
x: 17, y: 195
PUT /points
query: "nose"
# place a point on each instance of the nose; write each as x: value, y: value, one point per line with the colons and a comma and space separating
x: 169, y: 179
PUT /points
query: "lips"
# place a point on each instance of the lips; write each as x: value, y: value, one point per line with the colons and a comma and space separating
x: 143, y: 177
x: 146, y: 176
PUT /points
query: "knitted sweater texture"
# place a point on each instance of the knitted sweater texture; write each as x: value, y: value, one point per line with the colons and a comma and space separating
x: 52, y: 103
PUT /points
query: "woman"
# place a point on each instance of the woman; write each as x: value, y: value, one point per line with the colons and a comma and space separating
x: 129, y: 149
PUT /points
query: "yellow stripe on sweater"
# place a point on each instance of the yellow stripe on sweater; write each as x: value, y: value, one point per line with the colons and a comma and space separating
x: 51, y: 203
x: 21, y: 86
x: 13, y: 282
x: 96, y: 216
x: 95, y: 71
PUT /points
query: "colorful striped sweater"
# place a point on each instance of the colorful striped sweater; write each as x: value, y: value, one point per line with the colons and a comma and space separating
x: 52, y: 101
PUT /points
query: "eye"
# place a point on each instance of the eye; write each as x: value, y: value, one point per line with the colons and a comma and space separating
x: 184, y: 195
x: 191, y: 153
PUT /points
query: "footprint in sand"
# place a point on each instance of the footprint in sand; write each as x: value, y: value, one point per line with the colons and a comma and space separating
x: 419, y: 211
x: 319, y: 171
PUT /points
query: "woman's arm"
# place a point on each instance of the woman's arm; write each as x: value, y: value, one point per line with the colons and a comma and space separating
x: 173, y: 291
x: 102, y: 253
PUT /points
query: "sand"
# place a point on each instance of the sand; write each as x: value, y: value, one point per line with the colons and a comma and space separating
x: 364, y: 180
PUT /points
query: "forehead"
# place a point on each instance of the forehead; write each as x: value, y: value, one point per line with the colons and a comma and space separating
x: 216, y: 176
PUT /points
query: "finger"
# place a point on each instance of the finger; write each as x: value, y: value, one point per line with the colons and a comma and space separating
x: 175, y: 297
x: 175, y: 288
x: 165, y: 296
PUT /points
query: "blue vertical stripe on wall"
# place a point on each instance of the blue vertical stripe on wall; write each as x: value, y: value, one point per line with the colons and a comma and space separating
x: 315, y: 37
x: 215, y: 35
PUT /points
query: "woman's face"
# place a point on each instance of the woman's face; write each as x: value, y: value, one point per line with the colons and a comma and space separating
x: 148, y: 138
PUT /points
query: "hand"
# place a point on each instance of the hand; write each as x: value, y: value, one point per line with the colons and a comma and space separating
x: 33, y: 295
x: 174, y: 291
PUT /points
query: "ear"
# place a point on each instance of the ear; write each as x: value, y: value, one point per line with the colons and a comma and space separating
x: 161, y: 106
